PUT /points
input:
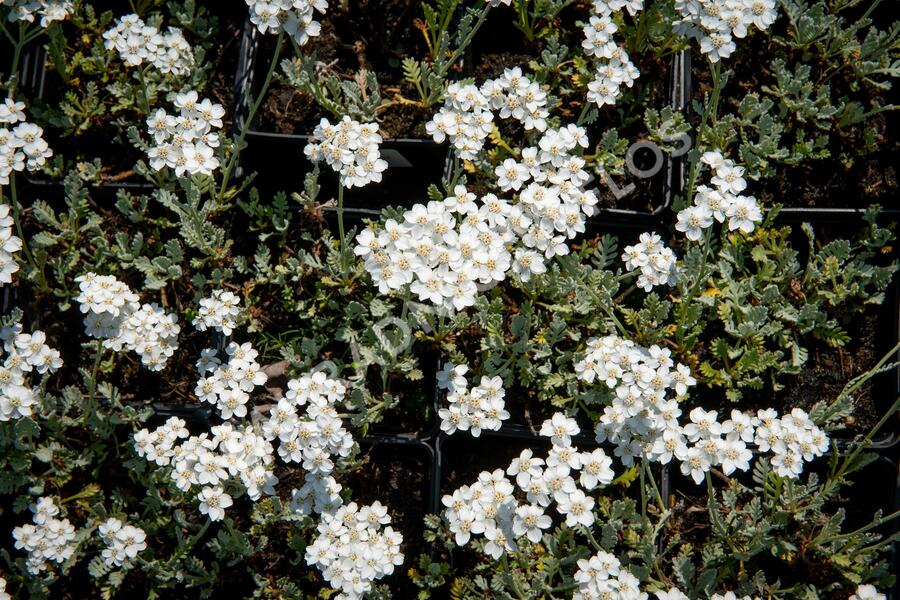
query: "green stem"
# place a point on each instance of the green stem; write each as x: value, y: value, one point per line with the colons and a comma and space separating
x: 584, y: 112
x: 341, y: 233
x: 226, y: 176
x: 144, y: 97
x: 17, y: 218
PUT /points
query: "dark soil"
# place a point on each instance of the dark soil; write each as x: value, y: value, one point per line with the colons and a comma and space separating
x: 853, y: 176
x: 368, y: 35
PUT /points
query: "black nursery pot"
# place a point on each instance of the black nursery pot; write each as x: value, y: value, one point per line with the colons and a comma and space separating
x: 653, y: 177
x: 38, y: 81
x: 399, y: 475
x: 279, y: 161
x: 823, y: 188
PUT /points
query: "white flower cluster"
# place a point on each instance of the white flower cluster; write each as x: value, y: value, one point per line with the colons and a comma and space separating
x: 466, y: 117
x: 867, y: 592
x: 186, y: 143
x: 614, y: 67
x: 114, y: 314
x: 317, y: 495
x: 356, y: 546
x: 603, y: 576
x: 313, y: 438
x: 4, y: 595
x: 226, y: 455
x: 723, y: 201
x: 123, y: 542
x: 244, y: 456
x: 655, y: 261
x: 26, y: 353
x: 715, y: 23
x: 47, y: 538
x: 295, y: 17
x: 351, y: 149
x: 137, y: 42
x: 21, y: 147
x: 48, y: 10
x: 489, y: 506
x: 445, y: 251
x: 479, y: 408
x: 221, y: 311
x: 643, y: 421
x: 227, y: 386
x: 9, y: 245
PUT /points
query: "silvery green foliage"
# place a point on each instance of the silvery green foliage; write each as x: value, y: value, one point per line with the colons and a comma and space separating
x: 740, y: 309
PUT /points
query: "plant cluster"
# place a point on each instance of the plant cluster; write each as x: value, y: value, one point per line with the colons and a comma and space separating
x: 199, y: 375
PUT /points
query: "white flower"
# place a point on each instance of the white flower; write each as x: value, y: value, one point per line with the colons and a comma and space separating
x: 213, y: 502
x: 124, y: 542
x: 656, y: 262
x: 530, y: 521
x: 672, y: 594
x: 577, y: 508
x: 186, y: 143
x: 350, y: 148
x: 693, y: 220
x: 560, y: 429
x: 21, y: 147
x: 867, y: 592
x: 743, y: 213
x: 295, y: 17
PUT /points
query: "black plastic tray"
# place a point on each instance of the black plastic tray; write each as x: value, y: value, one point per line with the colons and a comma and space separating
x: 280, y: 163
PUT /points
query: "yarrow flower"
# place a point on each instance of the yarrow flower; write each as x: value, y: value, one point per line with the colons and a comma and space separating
x: 614, y: 68
x: 867, y: 592
x: 22, y: 145
x: 721, y: 202
x: 467, y: 116
x: 25, y: 354
x: 653, y: 259
x: 445, y: 252
x: 114, y: 314
x: 602, y: 576
x: 136, y: 42
x: 471, y: 409
x: 186, y: 143
x: 351, y: 149
x: 48, y: 10
x: 642, y: 419
x: 123, y: 542
x: 715, y: 23
x: 10, y: 244
x: 47, y: 539
x: 294, y: 17
x: 507, y: 507
x: 221, y: 311
x: 355, y: 547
